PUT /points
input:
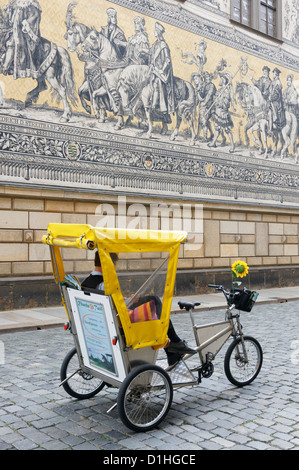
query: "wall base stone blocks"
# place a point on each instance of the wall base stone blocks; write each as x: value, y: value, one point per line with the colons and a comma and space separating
x: 266, y: 238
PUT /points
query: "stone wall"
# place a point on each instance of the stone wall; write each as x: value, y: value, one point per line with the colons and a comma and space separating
x: 260, y: 236
x: 266, y: 238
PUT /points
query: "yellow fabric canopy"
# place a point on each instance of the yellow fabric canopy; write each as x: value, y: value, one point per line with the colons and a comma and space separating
x: 113, y: 240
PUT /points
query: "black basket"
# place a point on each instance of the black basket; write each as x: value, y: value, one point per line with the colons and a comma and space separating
x: 243, y: 299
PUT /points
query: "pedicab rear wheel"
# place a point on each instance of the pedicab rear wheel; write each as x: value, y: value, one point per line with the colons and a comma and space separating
x: 81, y: 385
x: 145, y: 397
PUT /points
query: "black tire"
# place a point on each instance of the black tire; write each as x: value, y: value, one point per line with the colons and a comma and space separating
x: 145, y: 397
x: 81, y: 385
x: 239, y: 371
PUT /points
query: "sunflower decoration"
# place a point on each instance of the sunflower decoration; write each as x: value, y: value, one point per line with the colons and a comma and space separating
x: 239, y: 269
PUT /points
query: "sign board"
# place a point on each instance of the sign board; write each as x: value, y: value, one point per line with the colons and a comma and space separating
x: 95, y: 325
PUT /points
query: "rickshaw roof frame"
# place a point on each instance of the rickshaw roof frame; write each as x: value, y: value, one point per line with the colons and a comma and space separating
x: 113, y: 239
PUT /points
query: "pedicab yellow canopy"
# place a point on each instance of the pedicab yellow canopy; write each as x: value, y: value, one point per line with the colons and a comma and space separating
x: 113, y: 240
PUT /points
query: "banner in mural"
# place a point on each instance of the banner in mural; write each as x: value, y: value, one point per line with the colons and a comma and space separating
x: 134, y: 96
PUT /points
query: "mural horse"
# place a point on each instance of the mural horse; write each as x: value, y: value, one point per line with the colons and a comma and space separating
x: 75, y: 35
x: 136, y: 94
x: 252, y: 101
x: 97, y: 91
x: 54, y: 67
x: 102, y: 71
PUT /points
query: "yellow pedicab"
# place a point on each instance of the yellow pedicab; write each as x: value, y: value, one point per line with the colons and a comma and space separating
x: 111, y: 347
x: 117, y: 338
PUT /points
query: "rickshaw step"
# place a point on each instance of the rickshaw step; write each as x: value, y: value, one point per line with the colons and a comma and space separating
x: 179, y: 374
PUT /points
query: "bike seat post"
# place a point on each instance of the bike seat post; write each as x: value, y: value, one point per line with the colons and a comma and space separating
x: 192, y: 316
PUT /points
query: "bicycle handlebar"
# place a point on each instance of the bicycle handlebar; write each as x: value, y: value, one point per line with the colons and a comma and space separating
x: 221, y: 288
x: 216, y: 286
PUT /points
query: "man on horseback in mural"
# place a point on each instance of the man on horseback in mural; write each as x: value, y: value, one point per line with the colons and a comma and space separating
x: 103, y: 53
x: 115, y: 35
x: 264, y: 84
x: 27, y: 54
x: 276, y: 115
x: 95, y: 69
x: 161, y: 78
x: 138, y: 47
x: 22, y: 55
x: 94, y: 79
x: 138, y: 51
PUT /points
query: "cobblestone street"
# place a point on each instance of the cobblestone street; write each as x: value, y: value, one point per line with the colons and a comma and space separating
x: 36, y: 414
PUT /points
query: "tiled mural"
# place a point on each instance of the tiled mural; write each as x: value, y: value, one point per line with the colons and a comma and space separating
x: 291, y: 20
x: 146, y: 97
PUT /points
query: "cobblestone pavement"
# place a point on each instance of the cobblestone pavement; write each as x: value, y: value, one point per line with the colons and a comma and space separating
x: 36, y: 414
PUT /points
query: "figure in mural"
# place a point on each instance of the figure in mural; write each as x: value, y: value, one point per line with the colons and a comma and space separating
x: 252, y: 101
x: 224, y: 99
x: 135, y: 87
x: 18, y: 44
x: 115, y: 35
x: 26, y: 54
x: 161, y: 77
x: 263, y: 83
x: 102, y: 72
x: 75, y: 34
x: 290, y: 96
x: 153, y: 93
x: 206, y: 96
x: 138, y: 47
x: 277, y: 119
x: 104, y: 55
x: 138, y: 50
x: 22, y: 44
x: 201, y: 56
x: 197, y: 81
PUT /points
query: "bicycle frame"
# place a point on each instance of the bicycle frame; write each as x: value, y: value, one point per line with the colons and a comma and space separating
x: 210, y: 338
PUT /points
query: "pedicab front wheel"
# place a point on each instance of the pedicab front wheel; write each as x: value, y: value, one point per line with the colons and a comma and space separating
x: 243, y: 361
x: 80, y: 385
x: 145, y: 397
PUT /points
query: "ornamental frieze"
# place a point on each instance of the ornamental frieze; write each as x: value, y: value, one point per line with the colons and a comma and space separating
x: 159, y: 161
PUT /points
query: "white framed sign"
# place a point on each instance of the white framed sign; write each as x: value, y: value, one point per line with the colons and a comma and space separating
x: 95, y: 325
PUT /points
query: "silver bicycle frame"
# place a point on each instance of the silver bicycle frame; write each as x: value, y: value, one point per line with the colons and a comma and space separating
x: 211, y: 337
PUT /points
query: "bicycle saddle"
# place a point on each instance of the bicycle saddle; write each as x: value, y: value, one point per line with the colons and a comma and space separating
x: 188, y: 305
